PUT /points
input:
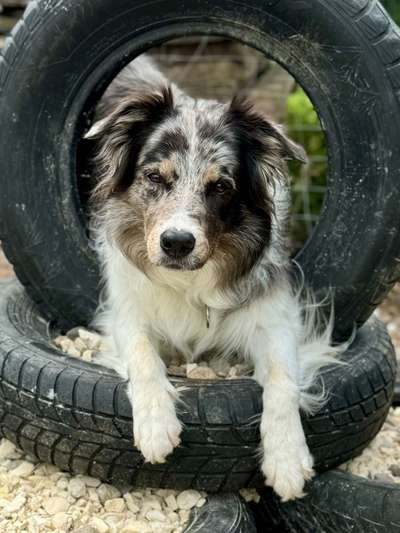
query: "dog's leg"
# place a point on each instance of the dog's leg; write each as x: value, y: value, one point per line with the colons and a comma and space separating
x: 287, y: 462
x: 156, y: 428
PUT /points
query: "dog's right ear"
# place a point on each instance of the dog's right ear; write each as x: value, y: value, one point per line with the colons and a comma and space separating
x: 120, y: 136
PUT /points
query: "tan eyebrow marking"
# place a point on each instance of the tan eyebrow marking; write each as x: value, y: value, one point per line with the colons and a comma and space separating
x: 166, y: 168
x: 211, y: 174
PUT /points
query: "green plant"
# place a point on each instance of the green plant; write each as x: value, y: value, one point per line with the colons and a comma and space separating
x: 393, y: 7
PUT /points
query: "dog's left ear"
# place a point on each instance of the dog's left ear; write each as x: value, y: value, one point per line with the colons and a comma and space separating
x: 263, y: 150
x: 261, y: 140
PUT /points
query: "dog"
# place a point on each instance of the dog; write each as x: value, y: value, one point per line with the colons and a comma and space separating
x: 189, y: 218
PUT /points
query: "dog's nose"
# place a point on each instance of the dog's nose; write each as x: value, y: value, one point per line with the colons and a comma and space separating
x: 177, y: 243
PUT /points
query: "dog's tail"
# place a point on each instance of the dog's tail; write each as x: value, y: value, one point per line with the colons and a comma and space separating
x: 316, y: 351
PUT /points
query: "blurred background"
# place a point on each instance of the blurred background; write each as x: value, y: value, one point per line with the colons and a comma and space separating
x: 219, y: 68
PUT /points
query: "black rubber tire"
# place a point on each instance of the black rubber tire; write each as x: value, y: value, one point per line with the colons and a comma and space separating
x: 222, y: 513
x: 335, y: 502
x: 396, y: 397
x: 77, y: 415
x: 60, y: 57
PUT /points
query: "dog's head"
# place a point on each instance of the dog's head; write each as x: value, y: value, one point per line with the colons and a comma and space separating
x: 188, y: 180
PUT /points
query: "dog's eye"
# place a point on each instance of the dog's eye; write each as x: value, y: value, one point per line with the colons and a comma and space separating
x: 154, y: 177
x: 222, y: 186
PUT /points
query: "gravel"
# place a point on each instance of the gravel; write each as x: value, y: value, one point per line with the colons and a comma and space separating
x: 83, y: 344
x: 381, y: 459
x: 36, y: 498
x: 389, y: 313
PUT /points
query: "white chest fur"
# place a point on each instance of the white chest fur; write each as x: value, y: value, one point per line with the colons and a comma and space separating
x: 171, y: 307
x: 174, y: 317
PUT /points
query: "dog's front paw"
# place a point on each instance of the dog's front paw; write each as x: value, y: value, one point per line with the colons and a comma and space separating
x: 156, y: 435
x: 156, y: 428
x: 286, y: 471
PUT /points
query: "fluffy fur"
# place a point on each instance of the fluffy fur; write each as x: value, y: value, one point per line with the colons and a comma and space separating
x: 217, y: 172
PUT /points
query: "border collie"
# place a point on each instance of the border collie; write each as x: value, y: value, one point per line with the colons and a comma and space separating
x: 190, y: 213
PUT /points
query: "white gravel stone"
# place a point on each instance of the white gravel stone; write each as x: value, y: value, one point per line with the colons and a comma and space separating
x: 243, y: 369
x: 48, y: 470
x: 136, y: 526
x: 99, y: 525
x: 62, y: 484
x: 90, y: 481
x: 24, y: 469
x: 62, y: 521
x: 15, y: 504
x: 138, y: 494
x: 202, y: 372
x: 201, y: 502
x: 107, y: 492
x: 77, y: 488
x: 87, y: 355
x: 66, y: 344
x: 56, y: 505
x: 115, y: 505
x: 190, y: 367
x: 187, y: 499
x: 173, y: 517
x: 220, y: 366
x: 179, y: 371
x: 156, y: 515
x: 232, y: 372
x: 92, y: 340
x: 250, y: 495
x: 8, y: 450
x: 113, y: 520
x: 80, y: 344
x: 151, y: 502
x: 131, y: 503
x: 171, y: 502
x: 183, y: 515
x: 73, y: 333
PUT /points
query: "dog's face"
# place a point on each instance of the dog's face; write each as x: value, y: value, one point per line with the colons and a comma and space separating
x: 187, y: 198
x: 186, y: 181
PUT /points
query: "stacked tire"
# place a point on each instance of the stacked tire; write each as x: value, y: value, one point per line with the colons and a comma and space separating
x: 346, y: 55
